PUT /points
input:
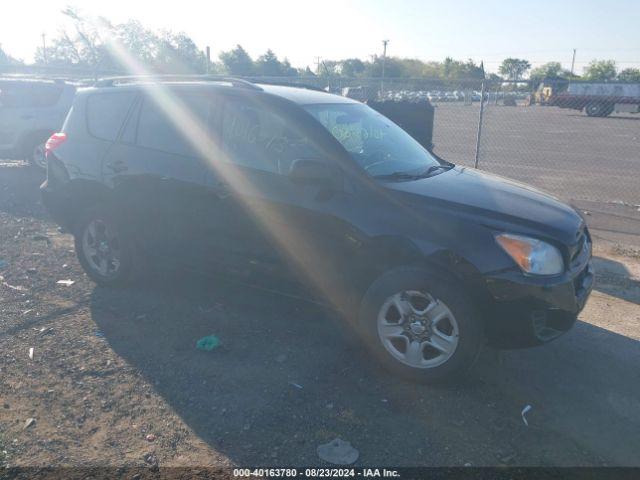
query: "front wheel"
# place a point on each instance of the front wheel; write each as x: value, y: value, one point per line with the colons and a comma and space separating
x: 421, y: 325
x: 104, y: 250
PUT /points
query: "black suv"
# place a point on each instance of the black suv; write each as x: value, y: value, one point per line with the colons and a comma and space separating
x: 293, y: 186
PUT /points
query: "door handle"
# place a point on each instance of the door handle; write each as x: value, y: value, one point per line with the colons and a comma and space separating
x: 26, y: 117
x: 117, y: 166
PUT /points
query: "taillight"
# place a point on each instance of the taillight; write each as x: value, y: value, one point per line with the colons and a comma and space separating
x: 54, y: 142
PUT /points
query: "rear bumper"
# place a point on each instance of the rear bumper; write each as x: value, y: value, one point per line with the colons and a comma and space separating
x: 58, y: 205
x: 530, y: 311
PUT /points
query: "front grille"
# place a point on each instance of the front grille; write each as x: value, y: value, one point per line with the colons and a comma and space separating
x: 579, y: 280
x: 579, y: 247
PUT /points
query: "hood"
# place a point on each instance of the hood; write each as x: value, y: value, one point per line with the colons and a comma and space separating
x: 496, y: 201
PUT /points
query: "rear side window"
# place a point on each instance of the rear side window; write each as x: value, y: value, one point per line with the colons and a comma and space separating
x: 161, y: 129
x: 106, y: 112
x: 46, y: 94
x: 29, y: 94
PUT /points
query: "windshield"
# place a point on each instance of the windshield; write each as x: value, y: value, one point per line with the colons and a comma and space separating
x: 378, y: 145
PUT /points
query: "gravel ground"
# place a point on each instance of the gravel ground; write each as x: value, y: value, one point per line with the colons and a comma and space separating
x: 115, y: 377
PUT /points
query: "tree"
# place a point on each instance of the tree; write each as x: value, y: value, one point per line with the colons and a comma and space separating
x: 306, y: 72
x: 87, y: 45
x: 6, y: 59
x: 393, y: 67
x: 177, y: 53
x: 601, y: 70
x: 551, y: 69
x: 629, y: 75
x: 514, y: 68
x: 352, y: 67
x: 269, y: 65
x: 237, y: 61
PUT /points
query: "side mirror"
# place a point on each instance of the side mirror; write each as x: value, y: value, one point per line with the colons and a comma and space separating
x: 312, y: 172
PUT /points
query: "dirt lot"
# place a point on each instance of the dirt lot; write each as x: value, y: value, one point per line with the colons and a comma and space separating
x: 111, y: 367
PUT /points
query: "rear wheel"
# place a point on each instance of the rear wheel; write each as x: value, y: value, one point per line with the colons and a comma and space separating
x: 598, y: 109
x: 104, y: 250
x: 421, y: 325
x: 33, y: 151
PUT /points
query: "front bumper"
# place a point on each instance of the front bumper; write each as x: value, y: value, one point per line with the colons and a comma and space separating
x: 527, y: 311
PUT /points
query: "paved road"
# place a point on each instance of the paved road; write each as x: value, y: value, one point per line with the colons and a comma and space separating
x: 562, y: 151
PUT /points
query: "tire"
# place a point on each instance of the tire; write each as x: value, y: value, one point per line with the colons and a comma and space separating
x: 597, y: 109
x: 436, y: 296
x: 100, y: 240
x: 34, y: 153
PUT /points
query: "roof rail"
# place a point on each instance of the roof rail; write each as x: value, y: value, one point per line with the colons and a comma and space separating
x: 234, y: 81
x: 285, y: 83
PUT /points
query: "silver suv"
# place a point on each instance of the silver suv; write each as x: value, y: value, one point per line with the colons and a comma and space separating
x: 30, y: 111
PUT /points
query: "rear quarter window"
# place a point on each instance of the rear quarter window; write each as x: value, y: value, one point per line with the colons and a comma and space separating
x: 106, y: 112
x: 29, y: 94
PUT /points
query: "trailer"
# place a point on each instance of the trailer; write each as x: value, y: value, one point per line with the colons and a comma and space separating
x: 598, y: 99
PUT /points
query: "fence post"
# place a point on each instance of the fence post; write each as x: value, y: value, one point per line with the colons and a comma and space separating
x: 475, y: 165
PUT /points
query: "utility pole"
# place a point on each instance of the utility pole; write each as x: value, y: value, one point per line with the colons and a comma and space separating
x: 384, y: 63
x: 573, y: 61
x: 44, y: 48
x: 208, y: 66
x: 318, y: 60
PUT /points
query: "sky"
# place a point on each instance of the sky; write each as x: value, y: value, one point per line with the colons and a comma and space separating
x: 540, y: 31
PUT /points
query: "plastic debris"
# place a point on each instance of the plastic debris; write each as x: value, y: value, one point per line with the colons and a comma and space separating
x: 208, y: 343
x: 150, y: 438
x: 3, y: 263
x: 338, y: 452
x: 525, y: 410
x: 29, y: 422
x: 297, y: 385
x: 17, y: 288
x: 99, y: 334
x: 66, y: 283
x: 31, y: 353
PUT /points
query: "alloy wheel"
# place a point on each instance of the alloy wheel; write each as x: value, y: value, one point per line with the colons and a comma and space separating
x: 101, y: 248
x: 417, y: 329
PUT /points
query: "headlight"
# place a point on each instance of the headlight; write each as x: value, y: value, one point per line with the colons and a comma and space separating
x: 532, y: 256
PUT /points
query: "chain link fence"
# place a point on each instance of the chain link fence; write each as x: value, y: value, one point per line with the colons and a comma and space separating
x: 518, y: 132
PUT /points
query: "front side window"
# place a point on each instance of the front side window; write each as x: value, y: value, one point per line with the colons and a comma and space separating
x: 260, y: 139
x: 377, y: 144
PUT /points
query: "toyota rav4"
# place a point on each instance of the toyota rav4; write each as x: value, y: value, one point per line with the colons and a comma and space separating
x: 426, y: 260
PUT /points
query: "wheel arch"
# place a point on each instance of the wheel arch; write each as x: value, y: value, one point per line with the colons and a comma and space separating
x: 387, y: 253
x: 29, y: 138
x: 79, y: 195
